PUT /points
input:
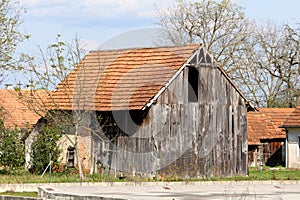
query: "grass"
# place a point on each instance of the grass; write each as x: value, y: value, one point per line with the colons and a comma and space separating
x: 19, y: 194
x: 56, y: 178
x: 63, y: 177
x: 275, y: 174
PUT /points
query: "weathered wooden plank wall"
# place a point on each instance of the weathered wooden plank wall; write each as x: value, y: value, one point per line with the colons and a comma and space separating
x: 182, y: 138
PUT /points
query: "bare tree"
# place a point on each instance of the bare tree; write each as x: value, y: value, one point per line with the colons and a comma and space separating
x: 221, y: 27
x: 285, y: 58
x: 10, y: 36
x: 262, y: 58
x: 56, y: 63
x: 269, y: 69
x: 61, y: 67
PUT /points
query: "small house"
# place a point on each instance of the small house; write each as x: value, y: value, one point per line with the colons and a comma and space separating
x: 266, y: 139
x: 292, y: 126
x: 22, y: 110
x: 16, y: 111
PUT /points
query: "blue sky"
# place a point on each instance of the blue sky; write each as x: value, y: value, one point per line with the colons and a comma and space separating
x: 106, y: 23
x: 98, y: 21
x: 95, y: 21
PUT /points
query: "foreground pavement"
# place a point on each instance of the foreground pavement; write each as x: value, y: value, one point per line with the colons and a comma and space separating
x: 178, y: 190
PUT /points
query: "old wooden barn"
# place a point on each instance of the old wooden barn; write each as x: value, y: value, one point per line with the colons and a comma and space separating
x: 167, y: 110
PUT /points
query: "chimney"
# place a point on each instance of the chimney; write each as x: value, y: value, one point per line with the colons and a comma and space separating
x: 19, y: 84
x: 30, y: 86
x: 9, y: 86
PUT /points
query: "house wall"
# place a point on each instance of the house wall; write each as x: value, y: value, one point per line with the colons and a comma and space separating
x: 293, y: 150
x: 253, y: 156
x: 84, y: 145
x: 182, y: 138
x: 28, y: 143
x: 84, y: 140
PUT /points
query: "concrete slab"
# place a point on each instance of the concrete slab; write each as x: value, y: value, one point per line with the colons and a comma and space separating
x: 178, y: 191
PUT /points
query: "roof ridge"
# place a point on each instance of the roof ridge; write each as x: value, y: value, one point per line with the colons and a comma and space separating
x: 140, y: 48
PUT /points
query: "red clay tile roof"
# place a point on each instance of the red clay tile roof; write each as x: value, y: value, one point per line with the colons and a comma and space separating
x: 265, y: 124
x: 18, y: 109
x: 293, y: 120
x: 120, y: 79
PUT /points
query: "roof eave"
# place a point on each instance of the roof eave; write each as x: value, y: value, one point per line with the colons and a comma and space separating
x: 289, y: 126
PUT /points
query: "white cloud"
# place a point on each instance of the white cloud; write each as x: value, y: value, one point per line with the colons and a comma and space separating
x: 103, y: 9
x: 95, y: 20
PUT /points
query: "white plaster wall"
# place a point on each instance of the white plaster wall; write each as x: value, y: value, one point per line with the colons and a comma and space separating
x: 28, y: 142
x: 84, y: 147
x: 293, y: 151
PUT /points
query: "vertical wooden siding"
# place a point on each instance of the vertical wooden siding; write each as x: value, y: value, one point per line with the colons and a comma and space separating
x: 205, y: 138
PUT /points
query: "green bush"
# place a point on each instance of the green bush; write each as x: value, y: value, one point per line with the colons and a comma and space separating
x: 12, y: 149
x: 44, y: 145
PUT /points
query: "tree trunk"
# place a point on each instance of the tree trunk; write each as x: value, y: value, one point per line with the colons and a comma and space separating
x: 78, y: 154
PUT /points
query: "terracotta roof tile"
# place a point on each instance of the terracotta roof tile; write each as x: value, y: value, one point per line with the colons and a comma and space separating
x: 22, y: 108
x: 293, y: 120
x: 120, y: 79
x: 266, y: 123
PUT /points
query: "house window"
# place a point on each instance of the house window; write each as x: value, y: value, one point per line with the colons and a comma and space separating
x: 193, y: 84
x: 71, y: 157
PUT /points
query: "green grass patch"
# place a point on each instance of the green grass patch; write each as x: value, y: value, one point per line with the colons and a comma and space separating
x: 65, y: 177
x: 19, y: 194
x: 274, y: 174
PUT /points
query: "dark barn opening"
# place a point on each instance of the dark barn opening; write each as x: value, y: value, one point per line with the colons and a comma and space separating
x: 193, y: 84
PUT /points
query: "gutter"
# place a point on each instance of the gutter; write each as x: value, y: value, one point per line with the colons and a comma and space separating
x: 297, y: 126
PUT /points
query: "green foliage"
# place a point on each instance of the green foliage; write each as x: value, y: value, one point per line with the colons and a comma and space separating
x: 12, y: 150
x: 45, y: 144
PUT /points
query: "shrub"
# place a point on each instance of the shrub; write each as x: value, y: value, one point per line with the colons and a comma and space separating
x: 46, y: 143
x: 12, y: 149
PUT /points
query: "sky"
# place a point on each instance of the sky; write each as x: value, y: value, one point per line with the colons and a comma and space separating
x: 103, y: 24
x: 100, y: 21
x: 95, y: 21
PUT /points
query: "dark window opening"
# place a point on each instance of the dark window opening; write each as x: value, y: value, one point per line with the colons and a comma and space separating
x: 71, y: 157
x: 232, y: 122
x: 193, y: 84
